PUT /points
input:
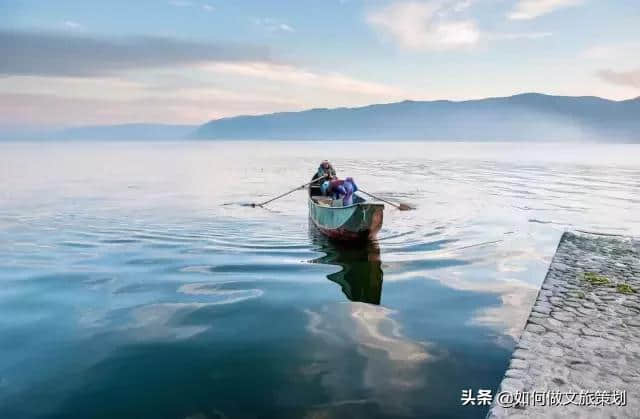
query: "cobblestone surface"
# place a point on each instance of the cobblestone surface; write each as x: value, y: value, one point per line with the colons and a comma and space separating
x: 583, y: 332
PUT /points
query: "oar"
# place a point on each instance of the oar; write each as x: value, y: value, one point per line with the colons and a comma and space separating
x: 401, y: 207
x: 287, y: 193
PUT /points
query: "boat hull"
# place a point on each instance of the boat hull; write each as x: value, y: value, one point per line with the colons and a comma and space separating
x: 360, y: 221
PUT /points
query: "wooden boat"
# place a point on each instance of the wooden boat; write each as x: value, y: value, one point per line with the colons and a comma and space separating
x: 360, y: 221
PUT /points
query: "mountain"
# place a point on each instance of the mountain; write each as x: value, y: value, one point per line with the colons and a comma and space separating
x: 524, y: 117
x: 125, y: 132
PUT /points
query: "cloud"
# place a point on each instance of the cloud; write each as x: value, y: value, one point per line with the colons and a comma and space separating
x: 515, y: 36
x: 608, y: 56
x: 436, y: 26
x: 51, y: 79
x: 70, y: 24
x: 213, y: 90
x: 54, y: 110
x: 302, y: 77
x: 614, y: 52
x: 462, y: 5
x: 41, y: 53
x: 185, y: 3
x: 426, y: 25
x: 531, y: 9
x: 622, y: 78
x: 272, y: 25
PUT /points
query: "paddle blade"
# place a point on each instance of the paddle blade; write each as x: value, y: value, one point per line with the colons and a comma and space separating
x: 404, y: 207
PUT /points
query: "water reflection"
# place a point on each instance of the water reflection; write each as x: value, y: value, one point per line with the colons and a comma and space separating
x: 361, y: 273
x: 113, y: 295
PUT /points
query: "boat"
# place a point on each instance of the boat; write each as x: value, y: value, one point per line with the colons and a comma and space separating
x: 359, y: 221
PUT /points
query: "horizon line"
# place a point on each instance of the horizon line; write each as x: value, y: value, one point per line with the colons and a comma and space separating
x: 19, y: 128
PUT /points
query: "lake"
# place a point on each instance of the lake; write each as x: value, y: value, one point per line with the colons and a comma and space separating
x: 136, y: 284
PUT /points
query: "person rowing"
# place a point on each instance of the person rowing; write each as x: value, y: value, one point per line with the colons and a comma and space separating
x: 325, y: 172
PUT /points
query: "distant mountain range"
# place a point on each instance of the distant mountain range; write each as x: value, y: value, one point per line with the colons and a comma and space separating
x: 524, y: 117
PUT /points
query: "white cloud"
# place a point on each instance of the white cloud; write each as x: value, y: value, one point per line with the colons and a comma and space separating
x: 531, y: 9
x: 71, y: 87
x: 621, y: 55
x: 272, y: 25
x: 70, y: 24
x: 436, y: 25
x: 515, y: 36
x: 189, y: 107
x: 462, y: 5
x: 426, y: 25
x: 301, y: 77
x: 622, y: 78
x: 208, y: 8
x: 614, y: 52
x: 211, y: 90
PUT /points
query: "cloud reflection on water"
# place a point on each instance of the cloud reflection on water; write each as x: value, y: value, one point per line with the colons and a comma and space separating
x: 167, y: 320
x: 391, y: 362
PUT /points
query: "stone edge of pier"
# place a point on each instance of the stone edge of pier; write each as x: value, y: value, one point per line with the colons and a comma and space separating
x: 583, y: 332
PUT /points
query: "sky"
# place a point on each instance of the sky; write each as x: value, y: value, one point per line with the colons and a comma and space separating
x: 82, y: 62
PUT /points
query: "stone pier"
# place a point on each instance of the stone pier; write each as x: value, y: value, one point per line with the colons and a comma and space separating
x: 580, y: 348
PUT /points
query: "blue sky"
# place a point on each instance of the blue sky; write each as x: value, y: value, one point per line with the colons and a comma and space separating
x: 186, y: 61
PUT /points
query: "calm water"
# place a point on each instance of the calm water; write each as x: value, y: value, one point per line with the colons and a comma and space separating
x: 133, y: 284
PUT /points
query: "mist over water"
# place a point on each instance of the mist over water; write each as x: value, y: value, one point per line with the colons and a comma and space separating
x: 136, y: 284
